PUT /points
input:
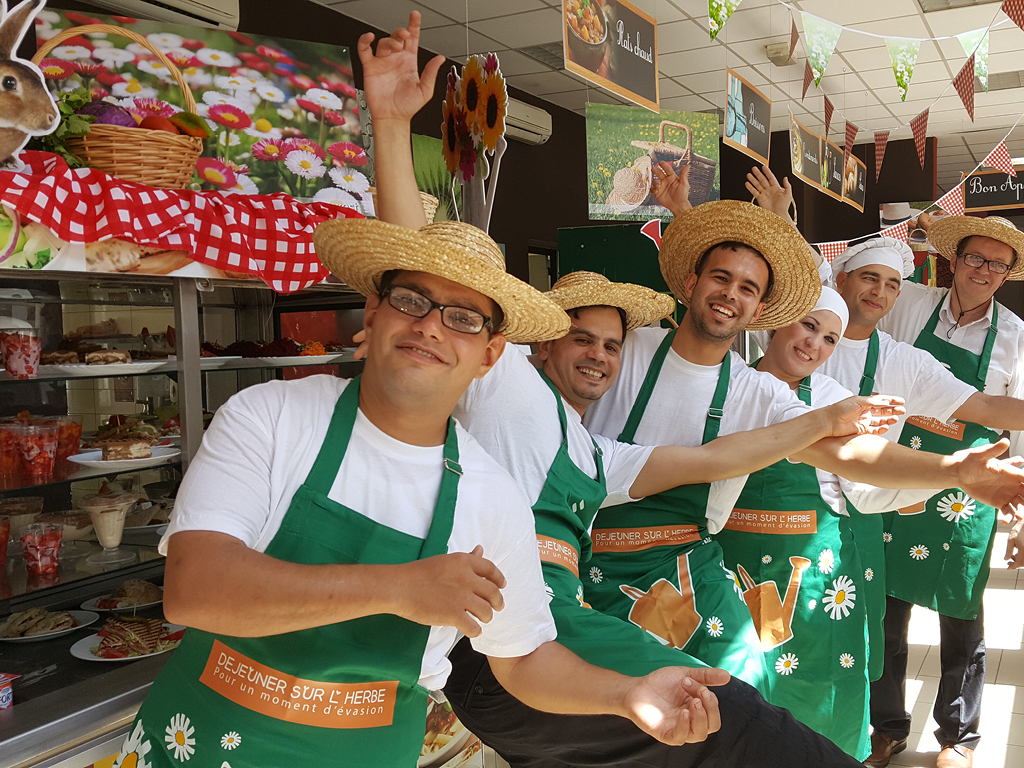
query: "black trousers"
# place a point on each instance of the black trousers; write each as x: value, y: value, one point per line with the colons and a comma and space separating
x: 753, y: 733
x: 958, y: 702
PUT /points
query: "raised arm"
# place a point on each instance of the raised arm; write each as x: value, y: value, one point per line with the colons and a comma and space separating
x: 995, y: 411
x: 395, y: 91
x: 769, y: 194
x: 745, y: 452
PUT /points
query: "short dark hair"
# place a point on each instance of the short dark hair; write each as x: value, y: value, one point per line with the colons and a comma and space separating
x: 735, y: 245
x: 497, y: 316
x: 574, y: 313
x: 962, y: 246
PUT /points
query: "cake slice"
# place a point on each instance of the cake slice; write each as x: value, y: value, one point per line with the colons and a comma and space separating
x: 107, y: 356
x: 119, y: 450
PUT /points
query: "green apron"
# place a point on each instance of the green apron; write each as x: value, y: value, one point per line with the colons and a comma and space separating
x: 867, y: 533
x: 939, y: 553
x: 563, y: 514
x: 803, y: 583
x: 348, y: 690
x: 661, y: 571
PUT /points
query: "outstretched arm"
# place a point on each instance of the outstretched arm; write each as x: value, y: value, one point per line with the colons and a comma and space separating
x: 745, y: 452
x: 995, y: 411
x: 671, y: 704
x: 395, y: 91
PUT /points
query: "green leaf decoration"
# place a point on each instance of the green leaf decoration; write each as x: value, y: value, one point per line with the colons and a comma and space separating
x: 821, y: 37
x: 903, y: 55
x: 719, y: 12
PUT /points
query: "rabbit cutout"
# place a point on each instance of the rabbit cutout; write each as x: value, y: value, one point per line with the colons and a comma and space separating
x: 26, y: 108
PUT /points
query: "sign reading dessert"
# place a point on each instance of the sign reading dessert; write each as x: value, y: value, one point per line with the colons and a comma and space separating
x: 994, y: 191
x: 748, y: 118
x: 614, y: 45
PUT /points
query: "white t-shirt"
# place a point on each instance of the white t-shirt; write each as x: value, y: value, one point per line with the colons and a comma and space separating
x: 679, y: 406
x: 260, y: 449
x: 512, y: 413
x: 911, y: 314
x: 903, y: 371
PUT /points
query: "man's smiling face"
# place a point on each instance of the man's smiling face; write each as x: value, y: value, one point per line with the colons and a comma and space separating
x: 583, y: 364
x: 869, y: 292
x: 976, y: 285
x: 728, y: 293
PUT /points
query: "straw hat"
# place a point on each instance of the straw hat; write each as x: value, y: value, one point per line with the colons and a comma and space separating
x: 360, y: 251
x: 946, y: 234
x: 642, y: 305
x: 797, y: 283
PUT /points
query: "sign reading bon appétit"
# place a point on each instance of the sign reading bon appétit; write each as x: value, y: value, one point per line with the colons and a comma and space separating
x: 993, y: 191
x: 614, y: 45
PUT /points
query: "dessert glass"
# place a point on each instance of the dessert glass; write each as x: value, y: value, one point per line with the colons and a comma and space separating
x: 40, y: 543
x: 22, y: 348
x: 108, y: 512
x: 37, y: 446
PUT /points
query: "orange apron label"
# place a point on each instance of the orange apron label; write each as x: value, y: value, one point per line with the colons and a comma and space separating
x: 767, y: 521
x: 639, y: 539
x: 954, y: 430
x: 263, y: 689
x: 560, y: 553
x: 913, y: 509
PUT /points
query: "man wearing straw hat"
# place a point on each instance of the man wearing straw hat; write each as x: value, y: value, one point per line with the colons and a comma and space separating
x: 980, y: 341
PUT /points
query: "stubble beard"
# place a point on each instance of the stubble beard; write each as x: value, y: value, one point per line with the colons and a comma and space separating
x: 705, y: 332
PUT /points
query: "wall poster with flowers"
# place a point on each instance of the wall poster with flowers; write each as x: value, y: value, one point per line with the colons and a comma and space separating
x: 282, y: 114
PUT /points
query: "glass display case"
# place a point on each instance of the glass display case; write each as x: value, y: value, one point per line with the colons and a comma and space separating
x: 192, y: 345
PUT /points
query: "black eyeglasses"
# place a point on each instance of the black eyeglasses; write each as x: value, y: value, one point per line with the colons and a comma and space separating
x: 995, y: 267
x: 416, y: 304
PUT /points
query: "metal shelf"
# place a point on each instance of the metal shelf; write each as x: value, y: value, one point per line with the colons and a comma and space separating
x: 69, y: 472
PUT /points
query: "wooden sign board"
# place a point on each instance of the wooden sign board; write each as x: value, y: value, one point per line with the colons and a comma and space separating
x: 805, y: 153
x: 831, y: 169
x: 855, y: 182
x: 994, y: 191
x: 748, y: 118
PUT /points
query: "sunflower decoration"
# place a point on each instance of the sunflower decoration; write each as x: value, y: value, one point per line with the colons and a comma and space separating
x: 494, y: 106
x: 449, y: 132
x: 472, y: 83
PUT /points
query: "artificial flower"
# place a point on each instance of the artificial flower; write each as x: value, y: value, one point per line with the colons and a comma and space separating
x: 472, y: 89
x: 494, y: 105
x: 449, y: 133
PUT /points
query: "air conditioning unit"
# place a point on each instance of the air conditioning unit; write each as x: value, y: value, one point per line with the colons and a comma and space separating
x: 219, y: 14
x: 526, y: 123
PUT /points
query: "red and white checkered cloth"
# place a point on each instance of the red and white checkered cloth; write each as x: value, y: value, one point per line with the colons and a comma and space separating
x: 964, y: 84
x: 953, y: 201
x: 899, y: 232
x: 794, y: 38
x: 881, y: 139
x: 919, y: 125
x: 999, y: 158
x: 1015, y: 10
x: 808, y: 78
x: 851, y: 134
x: 831, y: 250
x: 270, y: 236
x: 829, y: 109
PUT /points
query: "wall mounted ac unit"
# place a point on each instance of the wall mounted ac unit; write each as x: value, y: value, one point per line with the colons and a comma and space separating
x: 219, y: 14
x: 526, y: 123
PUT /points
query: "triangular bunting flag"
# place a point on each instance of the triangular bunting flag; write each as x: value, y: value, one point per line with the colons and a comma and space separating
x: 999, y: 158
x: 829, y: 109
x: 1015, y: 10
x: 719, y: 12
x: 831, y: 250
x: 899, y: 232
x: 903, y: 55
x: 881, y: 139
x: 964, y: 84
x: 975, y: 43
x: 919, y: 125
x: 851, y: 134
x: 953, y: 201
x: 821, y: 37
x: 808, y: 77
x: 794, y: 38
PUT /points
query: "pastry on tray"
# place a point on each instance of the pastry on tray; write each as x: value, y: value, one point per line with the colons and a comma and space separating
x: 60, y: 357
x: 128, y: 448
x: 108, y: 356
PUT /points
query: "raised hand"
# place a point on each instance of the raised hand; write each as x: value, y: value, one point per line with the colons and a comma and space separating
x: 673, y: 704
x: 1015, y: 545
x: 771, y: 195
x: 670, y: 189
x: 990, y: 481
x: 865, y: 415
x: 454, y: 590
x: 394, y: 87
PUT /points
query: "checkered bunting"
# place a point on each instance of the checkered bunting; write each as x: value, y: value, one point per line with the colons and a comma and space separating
x: 270, y: 236
x: 964, y: 84
x: 899, y: 232
x: 794, y: 38
x: 851, y: 134
x: 1015, y: 10
x: 831, y: 250
x: 808, y: 78
x: 829, y: 109
x: 919, y: 125
x: 953, y: 201
x: 999, y: 158
x: 881, y: 139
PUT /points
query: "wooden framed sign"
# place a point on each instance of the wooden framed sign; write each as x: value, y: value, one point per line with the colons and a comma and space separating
x: 614, y: 45
x: 805, y: 153
x: 831, y: 169
x: 748, y: 118
x: 994, y: 191
x: 855, y: 182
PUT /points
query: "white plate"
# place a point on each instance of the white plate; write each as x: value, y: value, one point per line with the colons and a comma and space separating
x: 445, y: 753
x: 90, y: 605
x: 94, y: 459
x: 113, y: 369
x: 82, y: 619
x: 300, y: 359
x: 82, y: 649
x: 206, y: 363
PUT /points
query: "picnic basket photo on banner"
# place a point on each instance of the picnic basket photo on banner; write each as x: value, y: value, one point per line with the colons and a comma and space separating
x: 153, y: 157
x: 702, y: 169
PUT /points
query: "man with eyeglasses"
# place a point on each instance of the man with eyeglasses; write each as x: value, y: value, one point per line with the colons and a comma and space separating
x: 938, y: 557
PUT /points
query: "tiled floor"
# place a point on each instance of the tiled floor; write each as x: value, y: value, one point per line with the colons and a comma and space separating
x: 1002, y: 717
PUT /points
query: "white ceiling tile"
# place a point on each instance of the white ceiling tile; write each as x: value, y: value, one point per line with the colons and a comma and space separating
x: 390, y: 15
x: 686, y: 63
x: 682, y: 36
x: 451, y: 41
x: 668, y: 88
x: 515, y: 63
x: 542, y: 83
x: 478, y: 9
x: 687, y: 104
x: 707, y: 81
x: 524, y: 29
